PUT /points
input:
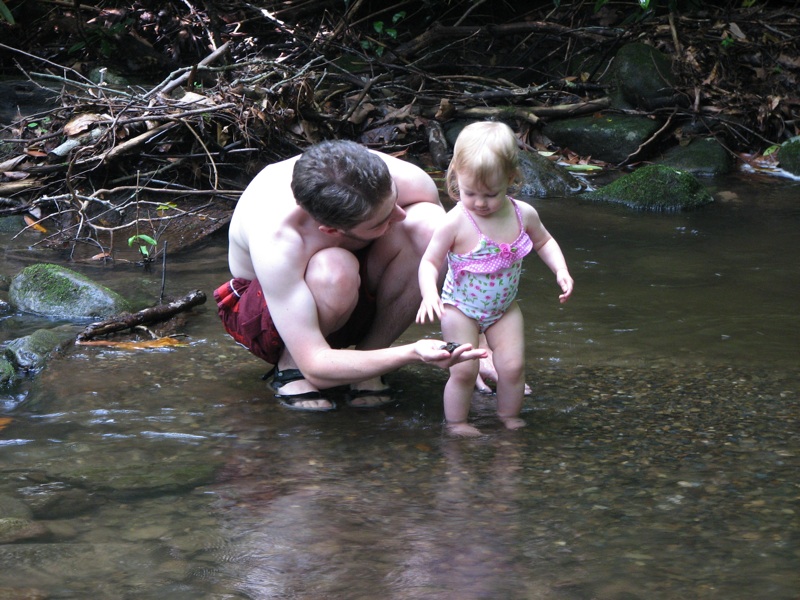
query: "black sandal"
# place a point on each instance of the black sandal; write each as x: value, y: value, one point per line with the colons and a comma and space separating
x: 387, y: 393
x: 281, y: 378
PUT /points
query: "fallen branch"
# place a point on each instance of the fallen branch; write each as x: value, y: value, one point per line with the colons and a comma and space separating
x: 154, y: 314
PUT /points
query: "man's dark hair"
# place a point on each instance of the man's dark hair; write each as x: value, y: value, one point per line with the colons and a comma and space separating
x: 340, y: 183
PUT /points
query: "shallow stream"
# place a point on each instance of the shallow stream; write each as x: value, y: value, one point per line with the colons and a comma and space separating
x: 661, y: 458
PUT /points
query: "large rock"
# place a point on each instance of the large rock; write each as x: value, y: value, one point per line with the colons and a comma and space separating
x: 655, y: 188
x: 789, y: 156
x: 140, y: 478
x: 641, y: 77
x: 54, y: 291
x: 541, y: 178
x: 610, y: 137
x: 30, y: 353
x: 701, y: 156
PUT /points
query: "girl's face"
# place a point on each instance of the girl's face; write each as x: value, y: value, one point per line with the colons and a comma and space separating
x: 482, y: 198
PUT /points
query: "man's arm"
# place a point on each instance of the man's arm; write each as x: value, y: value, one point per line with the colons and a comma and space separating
x: 413, y: 184
x: 294, y: 313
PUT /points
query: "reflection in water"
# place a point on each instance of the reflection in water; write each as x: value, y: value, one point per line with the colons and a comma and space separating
x: 660, y: 460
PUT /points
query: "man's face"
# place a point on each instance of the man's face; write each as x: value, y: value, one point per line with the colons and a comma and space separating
x: 384, y: 215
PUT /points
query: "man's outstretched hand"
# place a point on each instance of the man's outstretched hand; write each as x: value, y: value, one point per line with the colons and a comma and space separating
x: 435, y: 352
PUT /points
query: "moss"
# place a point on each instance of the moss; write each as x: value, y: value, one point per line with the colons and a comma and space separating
x: 47, y: 277
x: 55, y: 291
x: 8, y: 374
x: 656, y: 188
x: 789, y: 155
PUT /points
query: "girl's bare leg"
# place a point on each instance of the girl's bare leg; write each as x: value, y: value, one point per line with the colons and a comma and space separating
x: 457, y: 327
x: 507, y: 340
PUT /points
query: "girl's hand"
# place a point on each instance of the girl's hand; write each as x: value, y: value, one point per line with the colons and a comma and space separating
x: 566, y: 283
x: 430, y: 307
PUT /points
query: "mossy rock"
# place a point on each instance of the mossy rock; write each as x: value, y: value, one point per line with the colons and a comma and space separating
x: 789, y: 156
x: 17, y: 530
x: 143, y: 478
x: 54, y: 291
x: 541, y: 178
x: 8, y: 373
x: 642, y: 78
x: 31, y: 352
x: 609, y: 137
x: 701, y: 156
x: 654, y: 188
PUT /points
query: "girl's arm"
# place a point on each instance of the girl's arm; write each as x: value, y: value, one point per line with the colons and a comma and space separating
x: 430, y: 267
x: 548, y: 250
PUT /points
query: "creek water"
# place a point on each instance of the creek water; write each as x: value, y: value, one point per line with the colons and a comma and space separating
x: 660, y: 460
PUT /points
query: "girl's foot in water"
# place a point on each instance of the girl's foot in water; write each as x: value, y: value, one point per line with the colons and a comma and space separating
x: 462, y: 430
x: 512, y: 422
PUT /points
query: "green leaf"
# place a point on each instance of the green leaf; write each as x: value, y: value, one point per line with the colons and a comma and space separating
x: 141, y: 238
x: 6, y: 14
x: 582, y: 168
x: 378, y: 26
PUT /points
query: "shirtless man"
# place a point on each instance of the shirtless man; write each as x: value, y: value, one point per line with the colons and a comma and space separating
x: 334, y: 236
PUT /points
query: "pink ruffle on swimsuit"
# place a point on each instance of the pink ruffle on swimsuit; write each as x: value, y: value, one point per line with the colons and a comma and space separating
x: 483, y: 283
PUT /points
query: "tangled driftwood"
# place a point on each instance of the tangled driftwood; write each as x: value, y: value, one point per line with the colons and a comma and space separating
x: 168, y: 161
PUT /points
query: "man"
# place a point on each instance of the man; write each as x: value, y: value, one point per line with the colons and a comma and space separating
x: 324, y: 250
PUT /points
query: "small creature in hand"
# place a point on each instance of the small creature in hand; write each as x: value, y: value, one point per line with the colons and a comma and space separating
x: 449, y: 346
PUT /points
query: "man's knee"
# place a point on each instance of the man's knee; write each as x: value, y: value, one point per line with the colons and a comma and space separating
x: 333, y: 268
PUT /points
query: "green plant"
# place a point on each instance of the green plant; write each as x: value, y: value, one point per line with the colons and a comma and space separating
x: 146, y: 245
x: 384, y: 34
x: 5, y: 14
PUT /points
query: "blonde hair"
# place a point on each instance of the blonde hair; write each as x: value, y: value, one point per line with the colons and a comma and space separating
x: 483, y: 149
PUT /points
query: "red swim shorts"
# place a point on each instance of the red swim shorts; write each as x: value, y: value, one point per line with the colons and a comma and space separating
x: 243, y: 310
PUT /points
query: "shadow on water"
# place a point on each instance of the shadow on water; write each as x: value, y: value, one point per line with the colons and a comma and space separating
x: 660, y: 458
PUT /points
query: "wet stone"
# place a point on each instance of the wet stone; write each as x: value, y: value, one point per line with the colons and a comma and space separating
x: 14, y: 530
x: 56, y: 500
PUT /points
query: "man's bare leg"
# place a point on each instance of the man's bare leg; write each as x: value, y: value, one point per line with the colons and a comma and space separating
x: 330, y: 275
x: 392, y: 274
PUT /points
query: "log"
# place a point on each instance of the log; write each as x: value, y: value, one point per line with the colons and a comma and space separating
x: 153, y: 314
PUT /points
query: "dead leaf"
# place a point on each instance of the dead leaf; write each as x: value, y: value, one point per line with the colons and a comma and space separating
x: 31, y: 222
x: 84, y: 122
x: 16, y: 175
x: 5, y: 422
x: 164, y: 342
x: 789, y: 61
x: 11, y: 163
x: 737, y: 32
x: 445, y: 110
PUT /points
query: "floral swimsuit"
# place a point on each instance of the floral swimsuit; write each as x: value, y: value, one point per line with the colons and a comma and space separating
x: 483, y: 283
